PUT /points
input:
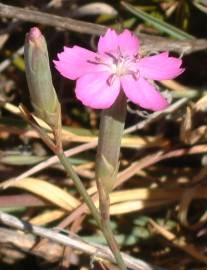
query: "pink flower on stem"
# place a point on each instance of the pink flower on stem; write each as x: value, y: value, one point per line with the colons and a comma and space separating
x: 117, y: 66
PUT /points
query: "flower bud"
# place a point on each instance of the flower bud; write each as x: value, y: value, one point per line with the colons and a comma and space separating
x: 42, y: 93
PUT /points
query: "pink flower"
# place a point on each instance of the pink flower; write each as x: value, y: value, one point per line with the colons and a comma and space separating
x: 116, y: 67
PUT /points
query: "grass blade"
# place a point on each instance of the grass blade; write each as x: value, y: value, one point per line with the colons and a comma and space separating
x: 160, y: 25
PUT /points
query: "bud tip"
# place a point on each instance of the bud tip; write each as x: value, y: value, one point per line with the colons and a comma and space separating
x: 34, y: 33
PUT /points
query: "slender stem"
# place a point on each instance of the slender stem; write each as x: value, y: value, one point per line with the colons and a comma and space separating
x: 104, y: 205
x: 105, y: 225
x: 80, y: 187
x: 113, y: 244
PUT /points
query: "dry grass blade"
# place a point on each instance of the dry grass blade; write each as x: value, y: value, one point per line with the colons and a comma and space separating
x: 21, y: 200
x: 156, y: 116
x: 45, y: 190
x: 53, y: 160
x: 188, y: 196
x: 135, y: 206
x: 47, y: 217
x: 179, y: 243
x: 74, y: 242
x: 201, y: 104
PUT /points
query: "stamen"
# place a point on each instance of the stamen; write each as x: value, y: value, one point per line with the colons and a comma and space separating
x: 115, y: 60
x: 137, y: 57
x: 120, y: 53
x: 92, y: 62
x: 98, y: 61
x: 111, y: 79
x: 135, y: 74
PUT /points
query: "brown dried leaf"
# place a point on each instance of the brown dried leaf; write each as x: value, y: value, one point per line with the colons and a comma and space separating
x: 187, y: 134
x: 201, y: 104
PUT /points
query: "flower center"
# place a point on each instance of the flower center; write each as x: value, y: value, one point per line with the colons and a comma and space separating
x: 118, y: 65
x: 122, y: 65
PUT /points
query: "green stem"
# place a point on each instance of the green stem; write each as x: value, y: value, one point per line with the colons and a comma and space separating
x: 106, y: 229
x: 80, y: 187
x: 104, y: 205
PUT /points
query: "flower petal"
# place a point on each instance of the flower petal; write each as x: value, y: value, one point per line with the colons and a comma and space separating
x: 73, y: 62
x: 93, y: 90
x: 108, y: 42
x: 142, y: 93
x: 128, y: 42
x: 160, y: 67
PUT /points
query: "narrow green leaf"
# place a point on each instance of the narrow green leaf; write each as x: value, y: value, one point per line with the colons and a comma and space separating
x: 20, y: 160
x: 160, y: 25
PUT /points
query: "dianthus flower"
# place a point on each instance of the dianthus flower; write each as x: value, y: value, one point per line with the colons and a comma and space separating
x: 117, y: 66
